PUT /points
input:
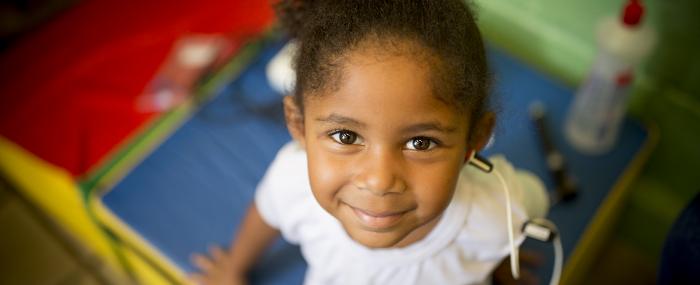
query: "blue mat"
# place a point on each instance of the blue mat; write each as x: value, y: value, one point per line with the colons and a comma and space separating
x: 516, y: 87
x: 193, y: 190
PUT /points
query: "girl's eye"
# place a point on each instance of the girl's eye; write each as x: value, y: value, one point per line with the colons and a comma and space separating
x: 421, y: 144
x: 346, y: 137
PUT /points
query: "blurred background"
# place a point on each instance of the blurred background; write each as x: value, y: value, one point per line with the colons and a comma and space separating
x: 73, y: 71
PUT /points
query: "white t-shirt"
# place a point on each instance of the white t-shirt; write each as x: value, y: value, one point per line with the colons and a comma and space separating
x: 465, y: 246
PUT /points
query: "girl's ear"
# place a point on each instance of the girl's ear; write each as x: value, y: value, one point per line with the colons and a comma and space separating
x: 482, y: 131
x: 295, y: 120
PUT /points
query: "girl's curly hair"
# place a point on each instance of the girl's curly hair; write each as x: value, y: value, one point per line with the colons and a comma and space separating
x: 327, y: 29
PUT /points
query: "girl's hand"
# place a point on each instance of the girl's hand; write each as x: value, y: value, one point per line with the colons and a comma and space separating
x: 216, y: 269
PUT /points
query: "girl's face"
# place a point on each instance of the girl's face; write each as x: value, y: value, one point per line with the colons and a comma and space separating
x: 384, y: 152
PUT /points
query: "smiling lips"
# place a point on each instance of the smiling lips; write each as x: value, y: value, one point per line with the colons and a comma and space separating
x: 378, y: 221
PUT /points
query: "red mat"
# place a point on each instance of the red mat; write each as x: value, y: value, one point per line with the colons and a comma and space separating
x: 67, y: 90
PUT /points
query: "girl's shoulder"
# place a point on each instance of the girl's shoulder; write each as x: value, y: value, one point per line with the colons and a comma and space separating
x: 289, y: 166
x: 487, y: 192
x: 283, y: 196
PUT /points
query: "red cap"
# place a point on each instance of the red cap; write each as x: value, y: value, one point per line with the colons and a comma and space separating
x: 632, y: 15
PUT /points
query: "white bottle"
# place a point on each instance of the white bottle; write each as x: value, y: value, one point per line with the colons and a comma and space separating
x: 596, y: 114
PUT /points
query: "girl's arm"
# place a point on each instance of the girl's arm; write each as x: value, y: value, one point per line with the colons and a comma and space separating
x: 252, y: 239
x: 221, y: 267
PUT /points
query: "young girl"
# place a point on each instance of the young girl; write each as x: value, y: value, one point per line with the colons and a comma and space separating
x: 390, y: 103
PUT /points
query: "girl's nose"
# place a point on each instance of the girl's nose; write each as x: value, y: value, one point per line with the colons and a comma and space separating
x: 380, y: 173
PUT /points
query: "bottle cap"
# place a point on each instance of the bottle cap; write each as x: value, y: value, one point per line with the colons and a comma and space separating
x: 632, y: 14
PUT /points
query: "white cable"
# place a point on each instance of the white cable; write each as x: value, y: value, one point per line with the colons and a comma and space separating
x: 545, y: 230
x: 514, y: 258
x: 558, y: 261
x: 514, y: 253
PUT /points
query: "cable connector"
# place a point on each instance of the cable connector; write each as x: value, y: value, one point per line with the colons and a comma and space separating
x: 540, y: 229
x: 546, y: 231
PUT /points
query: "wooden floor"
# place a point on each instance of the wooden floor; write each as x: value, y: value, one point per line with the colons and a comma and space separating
x: 33, y: 251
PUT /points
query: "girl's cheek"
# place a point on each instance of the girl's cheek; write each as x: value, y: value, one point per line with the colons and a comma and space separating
x: 435, y: 185
x: 327, y: 171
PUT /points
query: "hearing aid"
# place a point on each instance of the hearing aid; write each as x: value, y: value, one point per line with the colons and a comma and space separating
x: 479, y: 162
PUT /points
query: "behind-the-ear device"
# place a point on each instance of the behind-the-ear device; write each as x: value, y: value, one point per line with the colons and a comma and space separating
x: 539, y: 228
x: 480, y: 162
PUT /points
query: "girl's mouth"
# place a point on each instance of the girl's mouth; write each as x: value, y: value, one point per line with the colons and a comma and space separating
x: 377, y: 221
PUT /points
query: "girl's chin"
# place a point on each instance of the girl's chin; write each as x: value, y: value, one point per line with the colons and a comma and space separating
x: 376, y: 240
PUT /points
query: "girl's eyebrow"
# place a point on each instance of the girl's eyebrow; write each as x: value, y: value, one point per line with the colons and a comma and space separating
x: 341, y: 120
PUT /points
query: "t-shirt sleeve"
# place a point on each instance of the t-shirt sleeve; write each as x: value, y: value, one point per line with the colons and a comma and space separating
x: 284, y: 190
x: 535, y: 198
x: 265, y: 202
x: 528, y: 194
x: 278, y: 184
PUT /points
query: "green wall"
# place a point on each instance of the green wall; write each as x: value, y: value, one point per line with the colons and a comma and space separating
x: 557, y: 37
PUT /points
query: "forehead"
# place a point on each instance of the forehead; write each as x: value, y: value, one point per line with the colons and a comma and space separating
x: 388, y: 86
